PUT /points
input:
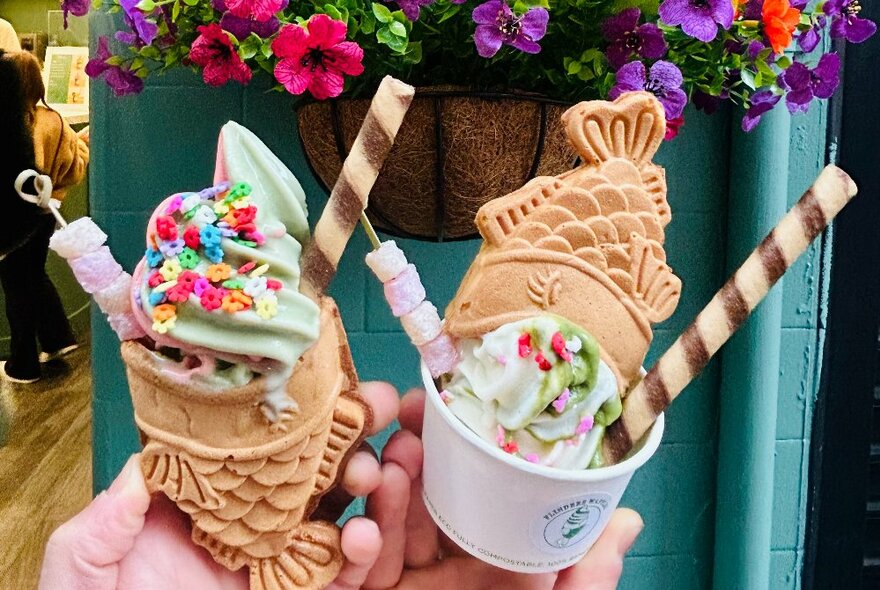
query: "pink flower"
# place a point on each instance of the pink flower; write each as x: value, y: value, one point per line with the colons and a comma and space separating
x: 316, y: 56
x: 214, y: 52
x: 260, y: 10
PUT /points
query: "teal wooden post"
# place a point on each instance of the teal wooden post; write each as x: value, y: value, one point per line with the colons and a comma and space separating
x: 750, y: 366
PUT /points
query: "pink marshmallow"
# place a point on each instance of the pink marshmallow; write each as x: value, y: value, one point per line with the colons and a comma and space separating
x: 97, y: 270
x: 405, y: 291
x: 115, y: 298
x: 440, y: 355
x: 422, y: 324
x: 126, y: 326
x: 80, y: 237
x: 387, y: 261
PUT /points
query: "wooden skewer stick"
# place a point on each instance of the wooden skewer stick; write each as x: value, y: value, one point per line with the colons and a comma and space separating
x: 728, y: 310
x: 348, y: 198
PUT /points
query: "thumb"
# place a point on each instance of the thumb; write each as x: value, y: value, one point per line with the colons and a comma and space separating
x: 84, y: 552
x: 602, y: 567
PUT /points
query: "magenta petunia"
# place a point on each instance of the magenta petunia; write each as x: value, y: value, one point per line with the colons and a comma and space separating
x: 626, y: 37
x: 663, y: 80
x: 497, y: 25
x: 74, y: 7
x: 121, y: 81
x: 259, y: 10
x: 316, y: 57
x: 214, y: 52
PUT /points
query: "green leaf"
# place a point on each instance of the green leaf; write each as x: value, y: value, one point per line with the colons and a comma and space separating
x: 332, y: 12
x: 748, y: 78
x: 383, y: 15
x: 175, y: 12
x: 413, y: 53
x: 266, y: 50
x: 783, y: 62
x: 149, y: 52
x: 765, y: 70
x: 384, y: 35
x: 113, y: 60
x: 449, y: 13
x: 759, y: 80
x: 398, y: 45
x: 146, y: 6
x: 398, y: 29
x: 192, y: 2
x: 137, y: 63
x: 368, y: 24
x: 574, y: 67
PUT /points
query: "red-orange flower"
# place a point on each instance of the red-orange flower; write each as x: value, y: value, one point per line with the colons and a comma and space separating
x: 780, y: 20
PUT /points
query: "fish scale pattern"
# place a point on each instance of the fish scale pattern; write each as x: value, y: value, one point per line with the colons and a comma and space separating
x: 587, y: 244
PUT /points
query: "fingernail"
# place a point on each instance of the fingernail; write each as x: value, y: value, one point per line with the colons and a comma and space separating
x: 129, y: 480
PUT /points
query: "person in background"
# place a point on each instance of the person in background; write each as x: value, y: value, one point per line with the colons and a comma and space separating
x: 8, y: 37
x: 43, y: 141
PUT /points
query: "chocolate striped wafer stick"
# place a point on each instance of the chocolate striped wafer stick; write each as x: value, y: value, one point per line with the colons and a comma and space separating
x: 348, y: 199
x: 728, y: 310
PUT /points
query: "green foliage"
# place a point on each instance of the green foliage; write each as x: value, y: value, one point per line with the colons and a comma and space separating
x: 439, y: 49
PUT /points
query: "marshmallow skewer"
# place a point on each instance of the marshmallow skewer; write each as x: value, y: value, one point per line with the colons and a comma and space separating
x: 81, y: 243
x: 406, y: 296
x: 728, y: 310
x: 348, y: 199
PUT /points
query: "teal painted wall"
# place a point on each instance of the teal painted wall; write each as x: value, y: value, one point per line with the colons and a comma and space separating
x: 163, y: 141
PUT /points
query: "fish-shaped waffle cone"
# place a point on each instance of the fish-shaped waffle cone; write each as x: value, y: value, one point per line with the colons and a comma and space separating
x: 586, y: 245
x: 250, y: 488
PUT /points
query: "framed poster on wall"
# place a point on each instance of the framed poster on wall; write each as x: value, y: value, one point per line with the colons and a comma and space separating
x: 67, y: 85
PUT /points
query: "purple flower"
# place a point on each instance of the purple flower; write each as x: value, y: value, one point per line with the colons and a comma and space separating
x: 804, y: 84
x: 626, y: 37
x: 698, y: 18
x: 142, y: 30
x: 242, y: 26
x: 809, y: 39
x: 664, y: 81
x: 845, y: 22
x: 754, y: 50
x: 121, y: 81
x: 761, y: 102
x: 709, y: 103
x: 74, y: 7
x: 412, y: 8
x: 497, y: 25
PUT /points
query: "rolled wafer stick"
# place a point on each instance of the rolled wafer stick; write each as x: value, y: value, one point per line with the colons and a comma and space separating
x: 348, y: 199
x: 728, y: 310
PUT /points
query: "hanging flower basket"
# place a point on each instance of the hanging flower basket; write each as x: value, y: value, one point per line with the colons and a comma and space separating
x: 455, y: 151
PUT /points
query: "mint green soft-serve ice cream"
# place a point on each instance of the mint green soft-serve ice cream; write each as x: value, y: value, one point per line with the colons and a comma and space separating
x: 537, y: 389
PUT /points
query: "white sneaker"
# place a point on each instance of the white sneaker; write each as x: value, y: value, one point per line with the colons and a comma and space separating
x: 45, y: 357
x: 9, y: 377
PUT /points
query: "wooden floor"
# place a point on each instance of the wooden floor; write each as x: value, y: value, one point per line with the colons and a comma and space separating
x: 45, y: 463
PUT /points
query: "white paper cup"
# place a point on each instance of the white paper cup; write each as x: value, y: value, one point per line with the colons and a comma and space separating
x: 511, y: 513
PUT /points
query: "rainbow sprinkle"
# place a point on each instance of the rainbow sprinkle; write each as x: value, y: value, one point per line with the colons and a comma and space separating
x: 191, y: 232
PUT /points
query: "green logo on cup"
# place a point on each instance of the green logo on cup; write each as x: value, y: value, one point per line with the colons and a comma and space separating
x: 571, y: 523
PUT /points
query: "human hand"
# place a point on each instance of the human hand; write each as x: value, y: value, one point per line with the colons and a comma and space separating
x: 415, y: 555
x: 126, y: 540
x: 84, y: 134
